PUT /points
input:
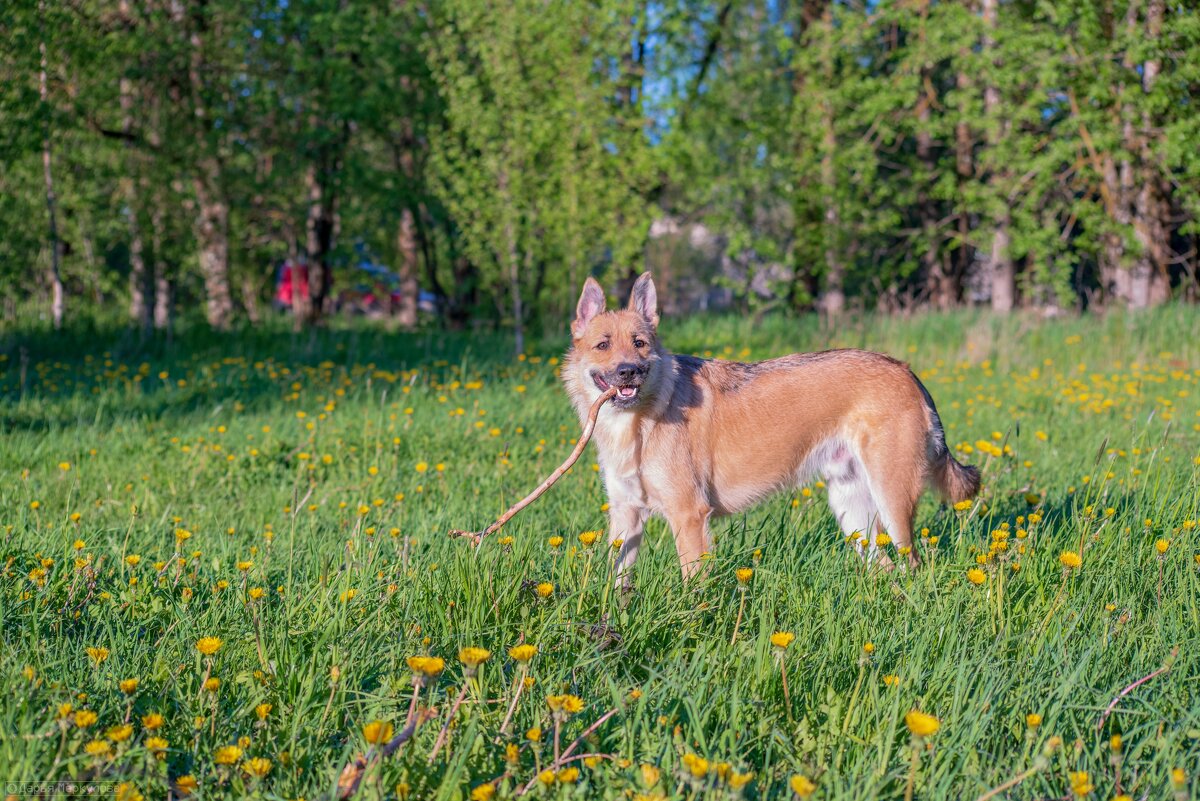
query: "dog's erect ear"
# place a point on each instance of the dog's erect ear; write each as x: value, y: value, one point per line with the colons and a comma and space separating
x: 644, y: 299
x: 591, y: 303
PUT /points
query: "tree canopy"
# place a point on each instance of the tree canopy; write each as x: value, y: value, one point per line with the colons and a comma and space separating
x: 812, y: 154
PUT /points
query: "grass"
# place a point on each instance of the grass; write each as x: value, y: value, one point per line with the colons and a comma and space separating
x: 324, y: 470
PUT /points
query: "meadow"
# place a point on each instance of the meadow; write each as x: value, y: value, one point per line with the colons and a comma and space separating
x: 225, y: 572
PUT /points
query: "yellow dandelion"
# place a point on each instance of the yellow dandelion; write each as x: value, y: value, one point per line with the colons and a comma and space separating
x: 257, y: 767
x: 522, y: 653
x: 377, y: 732
x: 802, y: 786
x: 921, y: 724
x: 428, y: 666
x: 227, y: 755
x: 782, y: 639
x: 209, y: 645
x: 473, y: 657
x: 98, y: 748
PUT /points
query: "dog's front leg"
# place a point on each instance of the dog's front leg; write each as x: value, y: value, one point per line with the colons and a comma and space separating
x: 626, y: 522
x: 690, y: 527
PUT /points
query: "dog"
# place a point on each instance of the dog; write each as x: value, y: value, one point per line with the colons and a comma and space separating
x: 689, y: 438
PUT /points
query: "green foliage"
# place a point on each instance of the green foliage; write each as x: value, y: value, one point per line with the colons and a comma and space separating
x: 499, y: 152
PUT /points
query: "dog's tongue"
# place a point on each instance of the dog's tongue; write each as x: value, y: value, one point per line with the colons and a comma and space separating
x: 627, y: 392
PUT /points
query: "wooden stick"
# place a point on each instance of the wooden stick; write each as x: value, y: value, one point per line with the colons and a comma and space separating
x: 588, y: 427
x: 1113, y: 704
x: 352, y: 774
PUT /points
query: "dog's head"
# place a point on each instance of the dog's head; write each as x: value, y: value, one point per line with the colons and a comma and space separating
x: 616, y: 348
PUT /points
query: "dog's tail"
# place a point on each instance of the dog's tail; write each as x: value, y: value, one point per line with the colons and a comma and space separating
x: 953, y: 480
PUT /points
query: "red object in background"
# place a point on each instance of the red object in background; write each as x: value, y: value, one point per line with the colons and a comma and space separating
x: 291, y: 276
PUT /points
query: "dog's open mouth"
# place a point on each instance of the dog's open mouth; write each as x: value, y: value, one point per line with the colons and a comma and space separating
x: 626, y: 392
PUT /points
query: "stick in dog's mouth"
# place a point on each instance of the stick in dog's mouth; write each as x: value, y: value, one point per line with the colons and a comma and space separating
x: 625, y: 393
x: 586, y: 434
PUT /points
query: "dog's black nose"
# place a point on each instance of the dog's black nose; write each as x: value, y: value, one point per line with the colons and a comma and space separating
x: 627, y: 371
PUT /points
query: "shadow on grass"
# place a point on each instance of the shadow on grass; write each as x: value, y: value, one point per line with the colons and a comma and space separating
x: 59, y: 379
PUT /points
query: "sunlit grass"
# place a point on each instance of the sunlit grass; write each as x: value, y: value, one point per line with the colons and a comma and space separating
x: 219, y: 556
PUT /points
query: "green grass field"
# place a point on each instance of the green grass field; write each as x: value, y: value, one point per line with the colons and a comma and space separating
x: 291, y: 497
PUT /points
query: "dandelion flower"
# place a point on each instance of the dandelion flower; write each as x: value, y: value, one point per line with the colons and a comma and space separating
x: 257, y: 767
x: 98, y: 748
x: 696, y: 765
x: 227, y: 755
x: 1162, y: 545
x: 209, y: 645
x: 976, y: 576
x: 1081, y: 783
x: 377, y: 732
x: 921, y: 724
x: 119, y: 734
x: 1070, y: 560
x: 523, y: 653
x: 802, y: 786
x: 565, y: 704
x: 744, y: 574
x: 128, y: 686
x: 782, y: 639
x: 545, y: 589
x: 97, y: 654
x: 483, y: 792
x: 428, y: 666
x: 473, y: 657
x: 186, y: 784
x: 1033, y: 720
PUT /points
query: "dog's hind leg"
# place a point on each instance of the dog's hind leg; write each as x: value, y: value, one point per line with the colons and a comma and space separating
x: 851, y: 500
x: 893, y: 470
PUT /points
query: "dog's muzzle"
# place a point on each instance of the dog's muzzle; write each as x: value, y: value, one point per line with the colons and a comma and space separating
x: 627, y: 378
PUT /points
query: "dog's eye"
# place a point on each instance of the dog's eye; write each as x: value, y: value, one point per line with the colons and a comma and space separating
x: 639, y: 343
x: 602, y: 345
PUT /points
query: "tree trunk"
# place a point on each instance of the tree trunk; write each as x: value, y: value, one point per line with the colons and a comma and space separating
x: 408, y: 250
x: 1150, y: 281
x: 833, y: 297
x: 55, y: 276
x: 141, y: 291
x: 212, y: 235
x: 940, y: 286
x: 964, y: 167
x: 162, y: 279
x: 319, y: 229
x: 212, y: 221
x: 1000, y: 265
x: 514, y: 264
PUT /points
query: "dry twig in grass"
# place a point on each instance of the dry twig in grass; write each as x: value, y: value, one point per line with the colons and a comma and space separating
x: 352, y: 774
x: 585, y: 435
x: 1170, y: 660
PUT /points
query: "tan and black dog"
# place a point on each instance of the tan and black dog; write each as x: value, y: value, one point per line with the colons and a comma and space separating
x: 689, y: 438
